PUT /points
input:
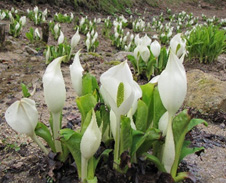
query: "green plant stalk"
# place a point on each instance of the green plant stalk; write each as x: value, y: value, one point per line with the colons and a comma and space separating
x: 56, y: 129
x: 35, y: 139
x: 181, y: 176
x: 117, y: 143
x: 84, y: 169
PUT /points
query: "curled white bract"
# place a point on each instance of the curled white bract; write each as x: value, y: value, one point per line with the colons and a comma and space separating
x: 22, y: 116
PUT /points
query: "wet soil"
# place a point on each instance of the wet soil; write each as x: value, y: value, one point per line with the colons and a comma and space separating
x: 20, y: 158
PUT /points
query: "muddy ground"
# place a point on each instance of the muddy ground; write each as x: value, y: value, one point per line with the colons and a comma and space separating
x: 22, y: 161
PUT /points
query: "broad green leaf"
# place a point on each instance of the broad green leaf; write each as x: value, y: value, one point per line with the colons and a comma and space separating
x: 194, y: 122
x: 42, y: 131
x: 157, y: 109
x: 125, y: 135
x: 85, y: 104
x: 151, y: 135
x: 147, y: 98
x: 180, y: 125
x: 141, y: 116
x: 186, y: 150
x: 89, y: 84
x: 138, y: 139
x: 72, y: 140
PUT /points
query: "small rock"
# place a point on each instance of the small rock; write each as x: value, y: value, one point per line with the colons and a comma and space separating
x: 18, y: 165
x: 121, y: 56
x: 30, y: 50
x: 205, y: 92
x: 34, y: 59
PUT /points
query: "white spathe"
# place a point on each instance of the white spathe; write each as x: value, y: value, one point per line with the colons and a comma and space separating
x: 61, y: 38
x: 172, y: 84
x: 54, y: 86
x: 75, y: 39
x: 155, y: 48
x: 76, y: 72
x: 163, y: 123
x: 143, y: 52
x: 177, y: 42
x: 22, y: 116
x: 110, y: 81
x: 91, y: 139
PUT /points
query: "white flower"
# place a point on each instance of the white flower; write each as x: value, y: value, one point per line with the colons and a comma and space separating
x: 48, y: 54
x: 87, y: 44
x: 54, y: 86
x: 45, y: 12
x: 91, y: 139
x: 143, y: 52
x: 155, y: 48
x: 137, y: 39
x: 75, y: 39
x: 17, y: 26
x: 56, y: 28
x: 72, y: 16
x: 3, y: 15
x: 22, y: 116
x: 118, y: 79
x: 76, y: 71
x: 178, y: 45
x: 36, y: 10
x: 146, y: 41
x: 37, y: 34
x: 172, y: 84
x: 61, y: 38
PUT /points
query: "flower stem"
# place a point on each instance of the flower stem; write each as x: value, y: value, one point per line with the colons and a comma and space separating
x: 56, y: 129
x: 84, y: 169
x: 117, y: 142
x: 35, y: 139
x: 169, y: 147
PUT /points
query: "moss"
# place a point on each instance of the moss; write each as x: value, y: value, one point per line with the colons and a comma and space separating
x: 114, y: 62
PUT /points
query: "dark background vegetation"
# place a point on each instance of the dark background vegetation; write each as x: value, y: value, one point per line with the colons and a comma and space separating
x: 115, y: 6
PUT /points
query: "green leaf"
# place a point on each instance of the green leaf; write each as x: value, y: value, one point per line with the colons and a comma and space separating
x: 138, y: 139
x: 147, y: 98
x: 141, y: 116
x: 42, y: 131
x: 195, y: 122
x: 86, y: 122
x: 125, y: 135
x: 180, y: 124
x: 186, y: 150
x: 85, y: 104
x: 132, y: 59
x: 89, y: 84
x: 120, y: 94
x: 156, y: 161
x: 72, y: 140
x: 25, y: 91
x: 151, y: 136
x: 157, y: 109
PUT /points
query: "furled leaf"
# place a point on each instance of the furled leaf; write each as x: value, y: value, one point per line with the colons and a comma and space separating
x: 85, y: 104
x: 42, y: 131
x: 89, y: 84
x: 72, y: 140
